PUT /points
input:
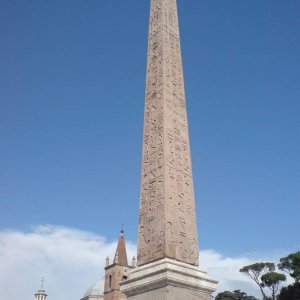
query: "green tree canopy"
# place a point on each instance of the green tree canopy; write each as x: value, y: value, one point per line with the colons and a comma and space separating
x: 272, y: 280
x: 291, y: 265
x: 291, y: 292
x: 255, y: 271
x: 235, y: 295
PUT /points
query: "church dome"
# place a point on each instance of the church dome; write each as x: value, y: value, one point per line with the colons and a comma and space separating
x: 95, y: 290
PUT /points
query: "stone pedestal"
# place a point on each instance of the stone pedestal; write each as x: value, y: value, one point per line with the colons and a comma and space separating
x: 168, y: 279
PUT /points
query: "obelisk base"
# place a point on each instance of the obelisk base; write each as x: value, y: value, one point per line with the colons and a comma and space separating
x: 168, y: 279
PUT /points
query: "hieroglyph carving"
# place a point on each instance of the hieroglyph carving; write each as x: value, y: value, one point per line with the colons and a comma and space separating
x: 167, y: 221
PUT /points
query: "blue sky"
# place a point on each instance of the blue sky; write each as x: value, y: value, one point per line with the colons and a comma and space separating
x: 72, y: 82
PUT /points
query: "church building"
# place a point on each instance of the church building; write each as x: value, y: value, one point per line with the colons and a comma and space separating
x: 117, y: 272
x: 41, y: 294
x: 114, y: 274
x: 94, y: 292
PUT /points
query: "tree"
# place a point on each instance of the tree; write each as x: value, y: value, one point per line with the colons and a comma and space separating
x: 291, y: 265
x: 255, y: 271
x: 272, y: 280
x: 291, y: 292
x: 235, y: 295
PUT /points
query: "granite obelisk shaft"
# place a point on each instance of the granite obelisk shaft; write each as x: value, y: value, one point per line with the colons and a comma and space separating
x: 167, y: 220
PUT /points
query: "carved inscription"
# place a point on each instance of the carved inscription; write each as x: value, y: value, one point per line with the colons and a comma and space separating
x: 167, y: 221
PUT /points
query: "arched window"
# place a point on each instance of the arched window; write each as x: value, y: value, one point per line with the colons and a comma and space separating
x: 109, y: 282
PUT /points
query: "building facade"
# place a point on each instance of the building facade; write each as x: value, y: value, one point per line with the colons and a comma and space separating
x: 116, y: 272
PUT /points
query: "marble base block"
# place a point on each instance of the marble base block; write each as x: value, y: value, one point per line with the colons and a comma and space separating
x: 168, y: 279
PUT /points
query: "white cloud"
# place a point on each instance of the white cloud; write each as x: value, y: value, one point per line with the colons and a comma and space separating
x: 226, y: 271
x: 71, y: 260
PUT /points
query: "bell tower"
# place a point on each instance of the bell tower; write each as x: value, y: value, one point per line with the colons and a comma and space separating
x: 116, y: 272
x: 41, y: 294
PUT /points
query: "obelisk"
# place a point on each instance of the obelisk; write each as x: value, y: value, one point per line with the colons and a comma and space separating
x: 167, y: 239
x: 167, y: 221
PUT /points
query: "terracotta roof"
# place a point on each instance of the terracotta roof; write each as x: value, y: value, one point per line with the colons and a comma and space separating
x: 121, y: 255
